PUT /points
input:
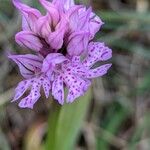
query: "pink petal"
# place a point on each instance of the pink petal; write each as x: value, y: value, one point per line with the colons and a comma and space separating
x: 84, y: 17
x: 28, y: 64
x: 30, y: 16
x: 79, y: 18
x: 56, y: 38
x: 78, y: 43
x: 25, y: 8
x: 58, y: 89
x: 98, y: 72
x: 68, y: 4
x: 52, y: 11
x: 56, y: 58
x: 43, y: 26
x: 97, y: 52
x: 59, y: 4
x: 21, y: 89
x: 50, y: 62
x: 95, y: 24
x: 25, y: 24
x: 73, y: 15
x: 28, y: 39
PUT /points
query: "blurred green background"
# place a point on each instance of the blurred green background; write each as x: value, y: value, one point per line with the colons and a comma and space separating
x: 118, y: 117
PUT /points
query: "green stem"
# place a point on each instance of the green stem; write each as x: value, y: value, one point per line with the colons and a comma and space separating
x: 65, y: 123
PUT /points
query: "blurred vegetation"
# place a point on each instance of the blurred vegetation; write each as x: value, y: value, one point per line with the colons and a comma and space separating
x: 119, y: 113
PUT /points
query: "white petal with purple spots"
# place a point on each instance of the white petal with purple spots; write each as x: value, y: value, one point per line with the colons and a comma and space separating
x: 31, y: 99
x: 46, y: 86
x: 97, y: 52
x: 58, y: 89
x: 98, y: 72
x: 21, y: 89
x: 77, y: 86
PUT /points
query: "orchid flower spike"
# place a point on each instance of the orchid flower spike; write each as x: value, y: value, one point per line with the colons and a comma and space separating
x: 65, y: 55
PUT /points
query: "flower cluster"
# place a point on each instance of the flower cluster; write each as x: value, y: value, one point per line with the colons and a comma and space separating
x: 65, y: 55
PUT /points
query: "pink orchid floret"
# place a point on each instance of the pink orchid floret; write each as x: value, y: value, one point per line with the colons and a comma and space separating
x: 64, y: 23
x: 64, y: 55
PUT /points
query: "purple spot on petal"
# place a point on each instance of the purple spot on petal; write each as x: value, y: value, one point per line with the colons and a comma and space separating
x: 68, y: 69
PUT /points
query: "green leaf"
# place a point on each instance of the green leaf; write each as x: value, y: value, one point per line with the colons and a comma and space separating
x: 144, y: 86
x: 115, y: 117
x: 65, y: 123
x: 124, y: 16
x: 141, y: 127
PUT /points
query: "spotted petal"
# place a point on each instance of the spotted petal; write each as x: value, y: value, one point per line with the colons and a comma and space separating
x: 98, y: 72
x: 97, y: 52
x: 58, y: 89
x: 46, y: 85
x: 76, y: 68
x: 76, y: 86
x: 31, y: 99
x: 21, y: 89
